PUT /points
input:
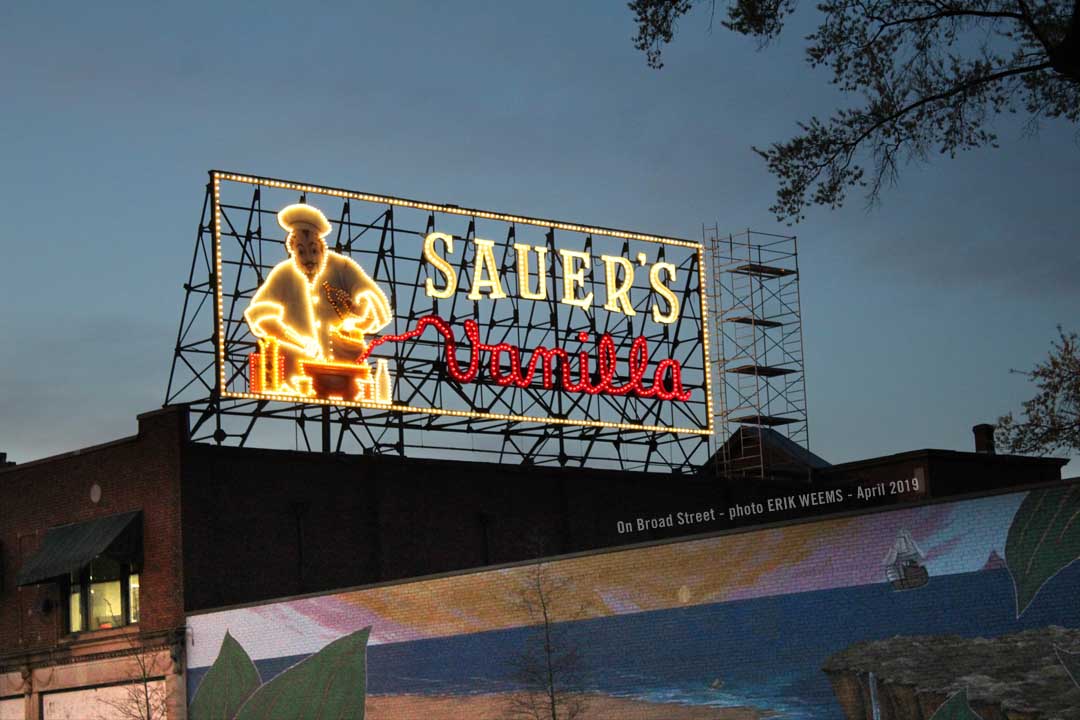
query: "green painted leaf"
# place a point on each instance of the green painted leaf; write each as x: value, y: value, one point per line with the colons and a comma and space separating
x: 330, y: 684
x: 230, y: 681
x: 956, y: 708
x: 1071, y: 661
x: 1043, y: 539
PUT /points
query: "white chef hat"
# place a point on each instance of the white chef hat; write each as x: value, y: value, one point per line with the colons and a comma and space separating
x: 303, y: 217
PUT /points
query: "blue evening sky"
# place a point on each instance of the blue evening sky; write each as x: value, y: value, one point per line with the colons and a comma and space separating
x: 111, y: 115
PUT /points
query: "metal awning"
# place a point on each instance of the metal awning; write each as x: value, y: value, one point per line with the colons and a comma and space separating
x: 70, y: 547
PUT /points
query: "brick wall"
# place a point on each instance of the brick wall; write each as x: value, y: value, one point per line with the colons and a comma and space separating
x: 261, y: 524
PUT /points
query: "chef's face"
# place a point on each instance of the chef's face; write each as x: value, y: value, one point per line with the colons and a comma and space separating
x: 307, y: 250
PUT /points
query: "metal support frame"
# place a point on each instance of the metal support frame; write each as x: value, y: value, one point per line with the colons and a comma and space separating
x: 374, y: 242
x: 757, y: 322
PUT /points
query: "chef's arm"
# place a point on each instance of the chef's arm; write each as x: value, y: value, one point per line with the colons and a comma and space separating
x: 265, y: 320
x: 373, y: 308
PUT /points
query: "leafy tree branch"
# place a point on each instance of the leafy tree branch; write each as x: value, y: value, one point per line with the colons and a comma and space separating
x: 1051, y: 419
x: 929, y: 75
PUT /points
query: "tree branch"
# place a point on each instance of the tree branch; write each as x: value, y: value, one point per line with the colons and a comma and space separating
x: 1029, y: 22
x: 917, y: 19
x: 932, y: 73
x: 955, y: 90
x: 848, y: 147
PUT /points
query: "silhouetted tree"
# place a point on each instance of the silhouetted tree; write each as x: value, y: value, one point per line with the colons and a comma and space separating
x: 931, y: 74
x: 549, y: 668
x: 1051, y: 419
x: 143, y: 698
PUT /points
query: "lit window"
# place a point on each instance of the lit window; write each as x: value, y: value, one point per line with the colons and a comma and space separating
x: 103, y: 595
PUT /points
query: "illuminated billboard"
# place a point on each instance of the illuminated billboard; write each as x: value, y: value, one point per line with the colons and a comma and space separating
x: 328, y: 296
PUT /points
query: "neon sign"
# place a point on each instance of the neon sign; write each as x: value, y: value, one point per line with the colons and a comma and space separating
x: 557, y: 309
x: 486, y: 276
x: 667, y: 371
x: 312, y: 316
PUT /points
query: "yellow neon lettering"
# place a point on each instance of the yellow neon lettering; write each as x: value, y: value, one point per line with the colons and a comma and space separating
x: 664, y: 291
x: 617, y: 300
x: 574, y: 276
x: 440, y: 264
x: 485, y: 263
x: 523, y: 271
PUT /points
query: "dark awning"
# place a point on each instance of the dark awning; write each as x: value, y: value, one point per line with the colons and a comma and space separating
x: 70, y: 547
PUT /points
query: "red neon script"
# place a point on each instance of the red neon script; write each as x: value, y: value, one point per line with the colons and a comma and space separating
x: 522, y: 377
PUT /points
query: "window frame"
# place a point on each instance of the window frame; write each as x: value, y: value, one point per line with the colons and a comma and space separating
x: 127, y: 570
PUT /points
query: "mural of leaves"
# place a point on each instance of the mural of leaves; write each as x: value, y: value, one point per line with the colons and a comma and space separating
x: 956, y: 708
x: 230, y: 681
x: 1071, y: 661
x: 1044, y: 538
x: 332, y: 683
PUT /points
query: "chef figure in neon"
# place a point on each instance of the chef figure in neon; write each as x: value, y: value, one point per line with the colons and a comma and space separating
x: 317, y: 306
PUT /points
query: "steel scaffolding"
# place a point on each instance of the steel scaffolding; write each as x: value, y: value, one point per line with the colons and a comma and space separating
x: 757, y: 325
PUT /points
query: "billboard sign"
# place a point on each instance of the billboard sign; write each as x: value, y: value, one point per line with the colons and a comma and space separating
x: 328, y: 296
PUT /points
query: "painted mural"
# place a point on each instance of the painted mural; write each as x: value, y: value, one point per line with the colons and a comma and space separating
x: 957, y: 610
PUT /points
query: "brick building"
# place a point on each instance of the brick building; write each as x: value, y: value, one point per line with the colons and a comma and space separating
x: 59, y: 649
x: 165, y: 527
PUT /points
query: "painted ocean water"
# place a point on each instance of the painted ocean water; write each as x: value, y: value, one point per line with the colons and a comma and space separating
x: 765, y: 652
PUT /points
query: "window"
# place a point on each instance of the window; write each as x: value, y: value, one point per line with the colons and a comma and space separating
x: 98, y: 564
x: 103, y: 595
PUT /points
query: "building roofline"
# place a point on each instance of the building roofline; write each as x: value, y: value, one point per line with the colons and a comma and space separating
x: 435, y: 462
x: 140, y: 418
x: 649, y: 543
x: 69, y: 454
x: 946, y: 454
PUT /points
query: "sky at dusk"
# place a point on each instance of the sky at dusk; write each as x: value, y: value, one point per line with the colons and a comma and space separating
x: 111, y: 115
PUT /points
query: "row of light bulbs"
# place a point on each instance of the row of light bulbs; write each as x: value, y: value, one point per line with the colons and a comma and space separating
x: 451, y: 209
